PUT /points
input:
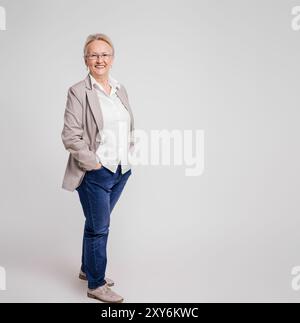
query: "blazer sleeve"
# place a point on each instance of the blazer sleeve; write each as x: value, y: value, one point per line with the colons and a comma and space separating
x: 72, y: 133
x: 132, y: 136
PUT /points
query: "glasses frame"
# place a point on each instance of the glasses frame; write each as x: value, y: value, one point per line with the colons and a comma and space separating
x: 94, y: 57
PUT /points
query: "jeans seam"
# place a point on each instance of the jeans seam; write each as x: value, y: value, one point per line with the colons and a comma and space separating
x: 93, y: 224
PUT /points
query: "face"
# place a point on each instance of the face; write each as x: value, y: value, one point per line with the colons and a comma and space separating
x: 99, y: 66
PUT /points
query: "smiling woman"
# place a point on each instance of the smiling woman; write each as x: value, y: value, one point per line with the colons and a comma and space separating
x: 98, y: 166
x: 99, y: 55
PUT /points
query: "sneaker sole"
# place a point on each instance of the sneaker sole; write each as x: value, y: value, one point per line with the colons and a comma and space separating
x: 99, y: 299
x: 82, y: 277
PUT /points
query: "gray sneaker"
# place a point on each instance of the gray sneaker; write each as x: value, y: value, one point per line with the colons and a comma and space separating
x: 109, y: 281
x: 105, y: 294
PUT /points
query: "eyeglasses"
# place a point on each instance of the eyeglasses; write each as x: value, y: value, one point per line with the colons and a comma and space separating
x: 94, y: 57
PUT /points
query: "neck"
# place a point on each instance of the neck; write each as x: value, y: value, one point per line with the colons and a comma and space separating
x: 103, y: 80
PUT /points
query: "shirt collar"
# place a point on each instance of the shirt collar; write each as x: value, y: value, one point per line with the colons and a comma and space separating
x: 112, y: 82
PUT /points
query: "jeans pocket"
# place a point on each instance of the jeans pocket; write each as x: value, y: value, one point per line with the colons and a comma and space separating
x: 95, y: 170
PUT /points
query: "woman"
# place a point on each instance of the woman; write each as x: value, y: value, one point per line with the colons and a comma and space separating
x: 98, y: 133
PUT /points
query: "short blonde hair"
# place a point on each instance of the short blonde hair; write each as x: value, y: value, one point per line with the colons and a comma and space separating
x: 93, y: 37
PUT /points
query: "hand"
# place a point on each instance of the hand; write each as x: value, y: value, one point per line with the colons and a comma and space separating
x: 98, y: 166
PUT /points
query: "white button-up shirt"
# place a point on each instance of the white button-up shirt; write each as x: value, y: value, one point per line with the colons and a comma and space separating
x: 115, y: 143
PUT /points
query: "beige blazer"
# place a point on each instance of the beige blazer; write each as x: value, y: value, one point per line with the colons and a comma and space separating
x: 80, y: 135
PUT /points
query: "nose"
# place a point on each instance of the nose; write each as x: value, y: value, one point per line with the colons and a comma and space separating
x: 99, y: 59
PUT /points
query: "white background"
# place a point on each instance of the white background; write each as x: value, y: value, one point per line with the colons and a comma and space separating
x: 228, y: 67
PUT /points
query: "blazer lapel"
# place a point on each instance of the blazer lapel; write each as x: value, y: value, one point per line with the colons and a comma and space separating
x: 123, y: 98
x: 121, y: 94
x: 94, y: 103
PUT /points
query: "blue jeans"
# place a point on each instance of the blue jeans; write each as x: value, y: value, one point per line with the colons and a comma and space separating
x: 99, y: 192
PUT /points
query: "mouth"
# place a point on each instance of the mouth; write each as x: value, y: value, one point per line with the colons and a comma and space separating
x: 99, y: 66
